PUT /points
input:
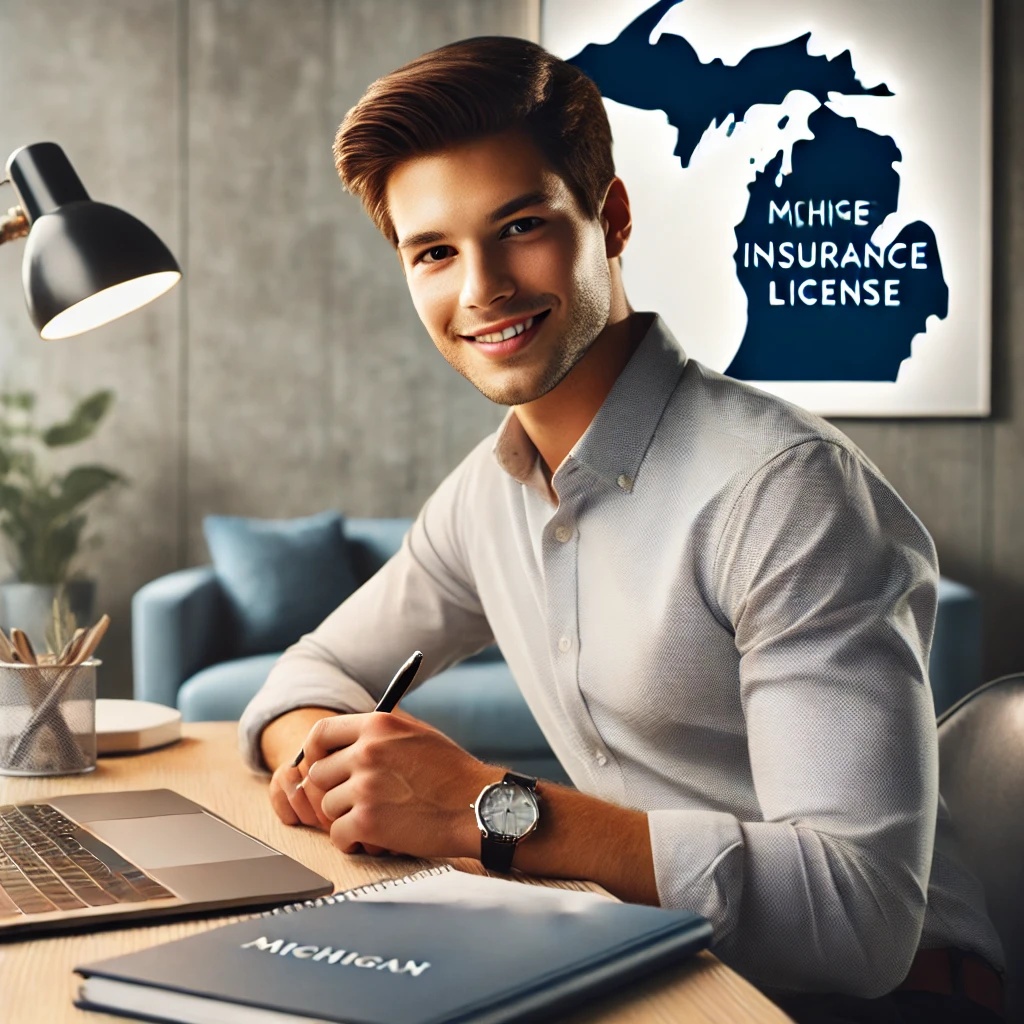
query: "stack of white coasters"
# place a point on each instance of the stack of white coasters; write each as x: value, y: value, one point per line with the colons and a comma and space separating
x: 131, y: 726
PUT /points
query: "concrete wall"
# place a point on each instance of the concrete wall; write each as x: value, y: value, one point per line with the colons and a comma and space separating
x: 289, y: 373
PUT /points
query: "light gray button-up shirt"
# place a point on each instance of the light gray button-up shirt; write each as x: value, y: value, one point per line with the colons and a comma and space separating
x: 719, y: 613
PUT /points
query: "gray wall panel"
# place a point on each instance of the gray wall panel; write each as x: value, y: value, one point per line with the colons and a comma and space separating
x: 1004, y: 589
x: 258, y: 171
x: 101, y: 79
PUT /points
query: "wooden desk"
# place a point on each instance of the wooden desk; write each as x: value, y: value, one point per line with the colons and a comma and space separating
x: 36, y: 979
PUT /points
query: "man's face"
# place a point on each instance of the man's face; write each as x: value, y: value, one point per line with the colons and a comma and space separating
x: 492, y: 240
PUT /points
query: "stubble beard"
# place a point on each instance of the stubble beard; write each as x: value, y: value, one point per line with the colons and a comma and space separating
x: 587, y: 319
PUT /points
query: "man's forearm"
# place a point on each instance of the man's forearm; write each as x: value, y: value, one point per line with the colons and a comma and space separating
x: 281, y: 738
x: 580, y: 836
x: 393, y: 782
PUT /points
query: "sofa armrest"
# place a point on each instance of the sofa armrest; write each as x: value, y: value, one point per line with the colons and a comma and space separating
x: 177, y: 629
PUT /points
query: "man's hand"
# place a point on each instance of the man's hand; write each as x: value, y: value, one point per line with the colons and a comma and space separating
x: 293, y: 802
x: 390, y: 782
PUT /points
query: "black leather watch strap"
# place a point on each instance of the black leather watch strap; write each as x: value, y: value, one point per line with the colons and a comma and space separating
x: 526, y: 781
x: 497, y: 854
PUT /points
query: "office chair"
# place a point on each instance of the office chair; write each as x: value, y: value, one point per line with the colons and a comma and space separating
x: 981, y: 776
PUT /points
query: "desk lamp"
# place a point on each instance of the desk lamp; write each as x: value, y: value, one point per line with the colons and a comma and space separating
x: 86, y: 263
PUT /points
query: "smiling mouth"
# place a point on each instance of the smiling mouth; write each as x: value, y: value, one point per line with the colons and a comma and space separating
x: 496, y: 337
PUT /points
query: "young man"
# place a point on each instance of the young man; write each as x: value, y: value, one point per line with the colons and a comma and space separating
x: 717, y: 609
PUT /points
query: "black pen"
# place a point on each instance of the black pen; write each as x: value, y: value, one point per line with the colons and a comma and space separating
x: 392, y: 695
x: 403, y: 680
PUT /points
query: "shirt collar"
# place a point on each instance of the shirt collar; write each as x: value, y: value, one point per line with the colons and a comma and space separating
x: 614, y: 444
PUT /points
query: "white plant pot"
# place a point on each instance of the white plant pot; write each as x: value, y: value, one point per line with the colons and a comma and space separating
x: 29, y: 606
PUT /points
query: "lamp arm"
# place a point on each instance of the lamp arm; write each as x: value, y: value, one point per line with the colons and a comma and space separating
x: 13, y: 224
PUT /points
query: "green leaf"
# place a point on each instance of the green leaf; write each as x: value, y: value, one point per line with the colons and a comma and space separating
x: 82, y: 422
x: 41, y: 518
x: 18, y: 400
x: 24, y: 462
x: 47, y: 559
x: 83, y: 483
x: 62, y: 623
x: 10, y: 498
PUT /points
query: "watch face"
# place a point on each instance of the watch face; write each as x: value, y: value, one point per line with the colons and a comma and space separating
x: 509, y: 810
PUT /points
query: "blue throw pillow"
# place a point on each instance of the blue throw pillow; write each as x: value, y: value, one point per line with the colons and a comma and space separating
x: 282, y: 577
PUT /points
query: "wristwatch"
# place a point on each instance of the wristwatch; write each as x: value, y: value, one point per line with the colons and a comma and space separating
x: 506, y: 813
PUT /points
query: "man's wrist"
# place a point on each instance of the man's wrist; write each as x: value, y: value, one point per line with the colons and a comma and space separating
x: 581, y: 836
x: 282, y: 737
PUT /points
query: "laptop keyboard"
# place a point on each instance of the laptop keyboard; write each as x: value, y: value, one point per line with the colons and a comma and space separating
x: 48, y: 863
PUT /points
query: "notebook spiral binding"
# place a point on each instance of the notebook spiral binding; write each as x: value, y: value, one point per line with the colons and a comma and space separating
x: 354, y: 894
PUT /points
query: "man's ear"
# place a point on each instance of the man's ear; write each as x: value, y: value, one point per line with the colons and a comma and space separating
x: 616, y: 218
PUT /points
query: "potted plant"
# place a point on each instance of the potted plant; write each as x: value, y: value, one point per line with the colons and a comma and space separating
x: 42, y: 513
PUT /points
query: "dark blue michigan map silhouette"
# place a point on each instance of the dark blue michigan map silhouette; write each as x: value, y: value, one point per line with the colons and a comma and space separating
x: 823, y: 303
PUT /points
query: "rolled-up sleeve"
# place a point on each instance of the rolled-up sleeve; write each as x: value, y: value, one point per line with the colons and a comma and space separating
x: 829, y: 583
x: 422, y: 599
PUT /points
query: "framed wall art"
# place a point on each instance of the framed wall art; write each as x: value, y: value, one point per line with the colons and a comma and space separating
x: 811, y: 188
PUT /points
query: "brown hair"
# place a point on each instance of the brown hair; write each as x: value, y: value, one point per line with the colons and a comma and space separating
x: 469, y: 90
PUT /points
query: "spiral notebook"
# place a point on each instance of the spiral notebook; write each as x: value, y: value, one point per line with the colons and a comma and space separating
x: 436, y: 947
x: 443, y: 884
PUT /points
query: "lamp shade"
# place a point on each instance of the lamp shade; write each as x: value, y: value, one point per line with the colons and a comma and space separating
x: 85, y: 263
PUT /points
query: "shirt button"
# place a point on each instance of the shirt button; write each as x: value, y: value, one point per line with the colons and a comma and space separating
x: 562, y: 534
x: 564, y: 643
x: 625, y: 482
x: 600, y: 759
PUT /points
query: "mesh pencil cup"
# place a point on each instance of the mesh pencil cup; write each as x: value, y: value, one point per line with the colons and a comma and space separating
x: 48, y: 719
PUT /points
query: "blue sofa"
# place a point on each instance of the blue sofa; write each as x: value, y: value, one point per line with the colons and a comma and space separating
x: 182, y: 658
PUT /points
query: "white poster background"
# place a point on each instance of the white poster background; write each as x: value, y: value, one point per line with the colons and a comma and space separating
x: 935, y: 55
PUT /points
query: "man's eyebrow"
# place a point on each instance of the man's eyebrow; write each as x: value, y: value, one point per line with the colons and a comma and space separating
x: 503, y: 211
x: 423, y: 238
x: 517, y: 204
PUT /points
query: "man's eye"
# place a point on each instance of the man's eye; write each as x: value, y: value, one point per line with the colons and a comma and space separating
x: 436, y: 254
x: 522, y: 226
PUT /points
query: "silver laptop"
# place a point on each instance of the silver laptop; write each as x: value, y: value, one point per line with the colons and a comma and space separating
x: 103, y: 857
